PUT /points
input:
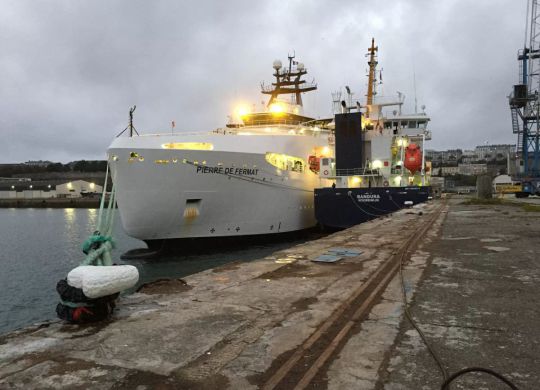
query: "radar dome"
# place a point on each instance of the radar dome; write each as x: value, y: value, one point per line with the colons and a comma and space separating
x: 300, y: 66
x: 277, y: 65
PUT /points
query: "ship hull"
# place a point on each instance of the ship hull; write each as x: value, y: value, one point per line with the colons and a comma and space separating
x: 342, y: 208
x: 218, y: 193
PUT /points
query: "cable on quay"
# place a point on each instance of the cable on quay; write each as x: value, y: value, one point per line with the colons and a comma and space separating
x: 447, y: 379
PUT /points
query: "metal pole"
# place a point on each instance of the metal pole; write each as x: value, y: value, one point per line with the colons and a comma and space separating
x: 423, y: 159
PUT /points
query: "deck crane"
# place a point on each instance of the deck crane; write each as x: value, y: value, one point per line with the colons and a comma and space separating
x: 525, y: 105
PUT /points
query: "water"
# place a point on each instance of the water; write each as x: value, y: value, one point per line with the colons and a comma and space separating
x: 40, y: 246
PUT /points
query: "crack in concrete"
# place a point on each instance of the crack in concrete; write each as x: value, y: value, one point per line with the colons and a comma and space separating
x: 460, y: 326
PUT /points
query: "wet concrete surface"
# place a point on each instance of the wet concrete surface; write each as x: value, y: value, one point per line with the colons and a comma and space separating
x: 478, y: 303
x: 226, y: 327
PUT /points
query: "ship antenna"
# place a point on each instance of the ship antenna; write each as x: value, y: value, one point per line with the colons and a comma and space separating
x: 130, y: 125
x: 371, y: 77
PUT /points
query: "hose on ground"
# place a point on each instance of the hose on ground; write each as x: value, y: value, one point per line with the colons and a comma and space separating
x: 451, y: 378
x: 447, y: 379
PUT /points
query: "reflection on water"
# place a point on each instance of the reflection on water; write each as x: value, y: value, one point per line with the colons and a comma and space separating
x: 40, y: 246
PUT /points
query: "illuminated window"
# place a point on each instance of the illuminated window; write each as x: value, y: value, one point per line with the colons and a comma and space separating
x: 161, y: 161
x: 188, y: 146
x: 285, y: 162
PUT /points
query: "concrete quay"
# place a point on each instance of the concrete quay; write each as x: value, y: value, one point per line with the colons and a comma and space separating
x: 472, y: 283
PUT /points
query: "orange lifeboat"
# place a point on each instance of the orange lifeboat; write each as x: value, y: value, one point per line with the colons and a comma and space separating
x: 413, y: 158
x: 314, y: 163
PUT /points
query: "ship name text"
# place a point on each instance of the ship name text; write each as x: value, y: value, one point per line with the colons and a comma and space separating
x: 368, y: 198
x: 228, y: 170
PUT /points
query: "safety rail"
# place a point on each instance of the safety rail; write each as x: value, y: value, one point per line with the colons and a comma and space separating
x: 358, y: 172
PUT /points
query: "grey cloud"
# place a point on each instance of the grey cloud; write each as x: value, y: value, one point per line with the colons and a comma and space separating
x: 69, y: 70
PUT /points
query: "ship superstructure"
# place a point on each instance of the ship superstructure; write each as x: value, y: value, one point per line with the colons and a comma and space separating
x: 250, y: 177
x: 379, y: 161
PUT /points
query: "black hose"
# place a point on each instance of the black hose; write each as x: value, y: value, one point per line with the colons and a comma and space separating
x: 447, y: 380
x: 446, y: 384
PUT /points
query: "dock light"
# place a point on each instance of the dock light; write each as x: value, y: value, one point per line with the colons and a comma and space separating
x: 376, y: 164
x: 49, y: 186
x: 356, y: 180
x: 30, y: 186
x: 92, y: 186
x: 325, y: 151
x: 397, y: 179
x: 12, y: 187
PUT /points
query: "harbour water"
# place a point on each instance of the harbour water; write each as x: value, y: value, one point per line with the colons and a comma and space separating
x: 40, y: 246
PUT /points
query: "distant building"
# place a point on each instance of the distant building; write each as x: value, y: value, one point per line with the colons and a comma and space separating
x: 444, y: 157
x: 26, y: 191
x: 38, y: 163
x: 445, y: 171
x: 77, y: 188
x: 498, y: 152
x: 472, y: 169
x: 469, y: 157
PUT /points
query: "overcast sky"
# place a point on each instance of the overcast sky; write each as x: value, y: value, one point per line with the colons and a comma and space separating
x: 70, y: 70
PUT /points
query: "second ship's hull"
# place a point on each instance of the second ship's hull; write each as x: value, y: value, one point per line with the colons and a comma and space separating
x: 345, y: 207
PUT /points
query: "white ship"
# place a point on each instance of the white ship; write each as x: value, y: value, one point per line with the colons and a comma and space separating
x: 249, y: 178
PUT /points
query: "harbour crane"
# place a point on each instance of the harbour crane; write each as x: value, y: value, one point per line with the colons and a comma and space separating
x: 525, y: 105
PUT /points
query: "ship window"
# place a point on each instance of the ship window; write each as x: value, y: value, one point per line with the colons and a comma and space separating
x: 387, y: 125
x: 189, y: 145
x: 412, y: 124
x: 285, y: 162
x: 403, y: 123
x: 422, y: 124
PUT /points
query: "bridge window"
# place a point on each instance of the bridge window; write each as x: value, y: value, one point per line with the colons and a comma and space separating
x: 285, y: 162
x: 189, y: 145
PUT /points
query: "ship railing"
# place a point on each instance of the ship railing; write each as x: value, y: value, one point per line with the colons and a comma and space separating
x: 358, y: 172
x: 269, y: 88
x: 268, y: 129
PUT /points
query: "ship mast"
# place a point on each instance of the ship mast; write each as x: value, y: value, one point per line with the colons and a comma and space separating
x: 371, y: 78
x: 288, y: 81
